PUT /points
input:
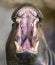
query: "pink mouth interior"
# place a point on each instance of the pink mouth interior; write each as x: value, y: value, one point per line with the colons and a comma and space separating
x: 26, y: 36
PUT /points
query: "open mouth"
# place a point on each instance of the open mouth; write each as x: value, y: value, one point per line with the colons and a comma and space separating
x: 27, y: 37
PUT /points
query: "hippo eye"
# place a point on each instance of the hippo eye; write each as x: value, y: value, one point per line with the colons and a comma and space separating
x: 18, y: 19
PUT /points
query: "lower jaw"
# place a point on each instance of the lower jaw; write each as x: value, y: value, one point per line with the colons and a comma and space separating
x: 26, y: 55
x: 26, y: 58
x: 33, y: 50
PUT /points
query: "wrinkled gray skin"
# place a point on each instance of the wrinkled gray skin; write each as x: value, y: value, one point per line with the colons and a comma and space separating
x: 44, y: 56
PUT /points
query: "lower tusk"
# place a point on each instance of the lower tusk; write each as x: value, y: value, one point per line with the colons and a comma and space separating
x: 17, y: 46
x: 36, y: 46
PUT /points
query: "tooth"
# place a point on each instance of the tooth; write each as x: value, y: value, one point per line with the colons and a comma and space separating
x: 25, y: 15
x: 37, y: 19
x: 36, y: 46
x: 17, y: 46
x: 18, y: 19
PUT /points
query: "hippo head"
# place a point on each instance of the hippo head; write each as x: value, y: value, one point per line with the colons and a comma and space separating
x: 28, y: 18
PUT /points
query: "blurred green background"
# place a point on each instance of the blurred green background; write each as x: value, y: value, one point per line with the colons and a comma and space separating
x: 47, y: 7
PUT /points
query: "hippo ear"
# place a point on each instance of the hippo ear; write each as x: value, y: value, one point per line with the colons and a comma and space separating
x: 40, y: 16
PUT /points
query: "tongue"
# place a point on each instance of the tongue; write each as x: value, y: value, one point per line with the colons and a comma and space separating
x: 26, y: 44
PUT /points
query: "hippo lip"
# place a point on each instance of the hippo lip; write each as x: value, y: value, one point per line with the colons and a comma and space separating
x: 27, y: 32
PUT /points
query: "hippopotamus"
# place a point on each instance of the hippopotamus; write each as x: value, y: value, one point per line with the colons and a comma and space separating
x: 26, y: 44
